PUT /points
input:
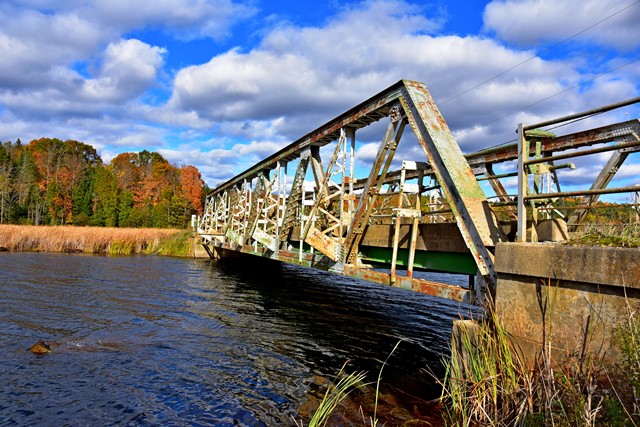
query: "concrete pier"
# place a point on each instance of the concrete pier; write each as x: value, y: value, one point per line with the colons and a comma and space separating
x: 556, y: 293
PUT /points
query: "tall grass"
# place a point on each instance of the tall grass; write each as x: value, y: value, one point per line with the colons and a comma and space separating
x: 628, y: 335
x: 335, y: 393
x: 95, y: 240
x: 338, y: 391
x: 619, y: 235
x: 488, y: 381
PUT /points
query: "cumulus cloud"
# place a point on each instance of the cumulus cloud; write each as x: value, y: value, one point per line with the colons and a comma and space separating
x: 128, y: 68
x: 37, y: 36
x: 296, y: 69
x: 184, y: 18
x: 299, y: 77
x: 32, y: 43
x: 530, y: 22
x: 298, y: 74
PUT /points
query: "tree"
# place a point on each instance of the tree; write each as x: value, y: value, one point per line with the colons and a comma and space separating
x: 64, y: 182
x: 192, y: 185
x: 105, y: 208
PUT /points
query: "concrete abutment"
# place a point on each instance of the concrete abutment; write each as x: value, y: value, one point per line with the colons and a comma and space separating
x: 557, y: 293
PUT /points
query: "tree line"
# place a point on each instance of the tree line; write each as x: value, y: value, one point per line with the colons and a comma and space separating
x: 50, y: 181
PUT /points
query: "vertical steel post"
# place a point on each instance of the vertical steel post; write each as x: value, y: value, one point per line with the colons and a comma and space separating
x: 396, y: 231
x: 523, y: 156
x: 414, y: 232
x: 351, y: 134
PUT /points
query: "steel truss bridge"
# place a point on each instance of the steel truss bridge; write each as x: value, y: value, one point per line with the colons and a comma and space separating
x: 305, y: 205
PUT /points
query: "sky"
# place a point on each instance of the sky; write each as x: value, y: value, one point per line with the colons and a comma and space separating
x: 222, y: 84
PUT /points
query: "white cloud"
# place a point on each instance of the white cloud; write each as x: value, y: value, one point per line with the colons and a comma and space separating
x: 530, y: 22
x: 183, y: 18
x: 72, y: 70
x: 32, y: 43
x: 304, y: 76
x: 128, y: 68
x: 298, y: 74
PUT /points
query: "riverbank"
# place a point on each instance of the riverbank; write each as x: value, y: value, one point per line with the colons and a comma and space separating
x: 95, y: 240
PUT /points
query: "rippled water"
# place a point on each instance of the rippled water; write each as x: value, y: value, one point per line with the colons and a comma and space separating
x: 163, y: 341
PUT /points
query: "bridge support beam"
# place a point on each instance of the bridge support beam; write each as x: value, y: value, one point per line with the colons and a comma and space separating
x: 475, y: 219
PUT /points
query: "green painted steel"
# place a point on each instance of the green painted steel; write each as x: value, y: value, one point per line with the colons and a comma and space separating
x: 447, y: 262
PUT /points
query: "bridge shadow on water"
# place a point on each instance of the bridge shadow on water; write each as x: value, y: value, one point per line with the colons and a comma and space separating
x: 336, y: 318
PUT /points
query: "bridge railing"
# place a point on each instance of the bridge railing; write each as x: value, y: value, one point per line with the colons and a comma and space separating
x: 540, y: 196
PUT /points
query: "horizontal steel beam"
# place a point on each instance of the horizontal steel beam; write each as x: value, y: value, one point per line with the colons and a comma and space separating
x: 437, y: 289
x: 584, y: 114
x: 365, y: 113
x: 624, y: 132
x: 584, y: 192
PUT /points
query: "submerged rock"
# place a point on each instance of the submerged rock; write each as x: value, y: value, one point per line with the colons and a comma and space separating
x: 40, y: 347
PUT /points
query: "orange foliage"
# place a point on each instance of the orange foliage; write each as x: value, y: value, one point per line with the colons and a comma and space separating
x: 192, y: 187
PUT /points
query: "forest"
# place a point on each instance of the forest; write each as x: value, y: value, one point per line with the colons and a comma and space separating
x: 54, y: 182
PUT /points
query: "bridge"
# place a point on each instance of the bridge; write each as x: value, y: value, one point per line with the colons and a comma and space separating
x: 318, y: 204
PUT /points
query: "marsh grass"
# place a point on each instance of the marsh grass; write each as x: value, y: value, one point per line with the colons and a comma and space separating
x: 341, y: 388
x: 488, y: 381
x: 178, y: 244
x: 628, y: 336
x: 618, y: 235
x: 336, y: 392
x: 94, y: 240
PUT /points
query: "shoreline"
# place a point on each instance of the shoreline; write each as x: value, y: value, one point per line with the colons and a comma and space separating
x: 95, y: 240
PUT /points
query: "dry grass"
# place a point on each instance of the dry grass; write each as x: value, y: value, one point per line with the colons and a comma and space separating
x: 95, y: 240
x: 489, y: 381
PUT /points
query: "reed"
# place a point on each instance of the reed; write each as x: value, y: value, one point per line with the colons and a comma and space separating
x: 178, y: 244
x: 335, y: 393
x: 341, y: 388
x: 488, y: 381
x: 94, y: 240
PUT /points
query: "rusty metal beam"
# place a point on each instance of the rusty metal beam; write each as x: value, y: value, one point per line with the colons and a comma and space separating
x: 587, y: 113
x: 467, y: 200
x: 365, y: 113
x: 624, y: 132
x: 600, y: 191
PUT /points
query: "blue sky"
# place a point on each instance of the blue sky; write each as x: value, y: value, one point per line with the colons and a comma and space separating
x: 222, y: 84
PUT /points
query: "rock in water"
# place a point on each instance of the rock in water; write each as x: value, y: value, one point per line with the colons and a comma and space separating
x: 40, y: 347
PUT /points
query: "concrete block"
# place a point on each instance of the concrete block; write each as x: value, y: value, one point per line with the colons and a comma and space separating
x: 587, y: 264
x: 552, y: 230
x: 551, y: 294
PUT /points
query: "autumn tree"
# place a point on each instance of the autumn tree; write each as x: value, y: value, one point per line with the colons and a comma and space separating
x: 50, y: 181
x: 192, y: 184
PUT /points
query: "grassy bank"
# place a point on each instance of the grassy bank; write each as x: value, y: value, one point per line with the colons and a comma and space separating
x: 95, y: 240
x: 619, y: 235
x: 490, y: 382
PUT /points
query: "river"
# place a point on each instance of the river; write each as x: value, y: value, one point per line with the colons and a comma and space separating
x: 147, y: 340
